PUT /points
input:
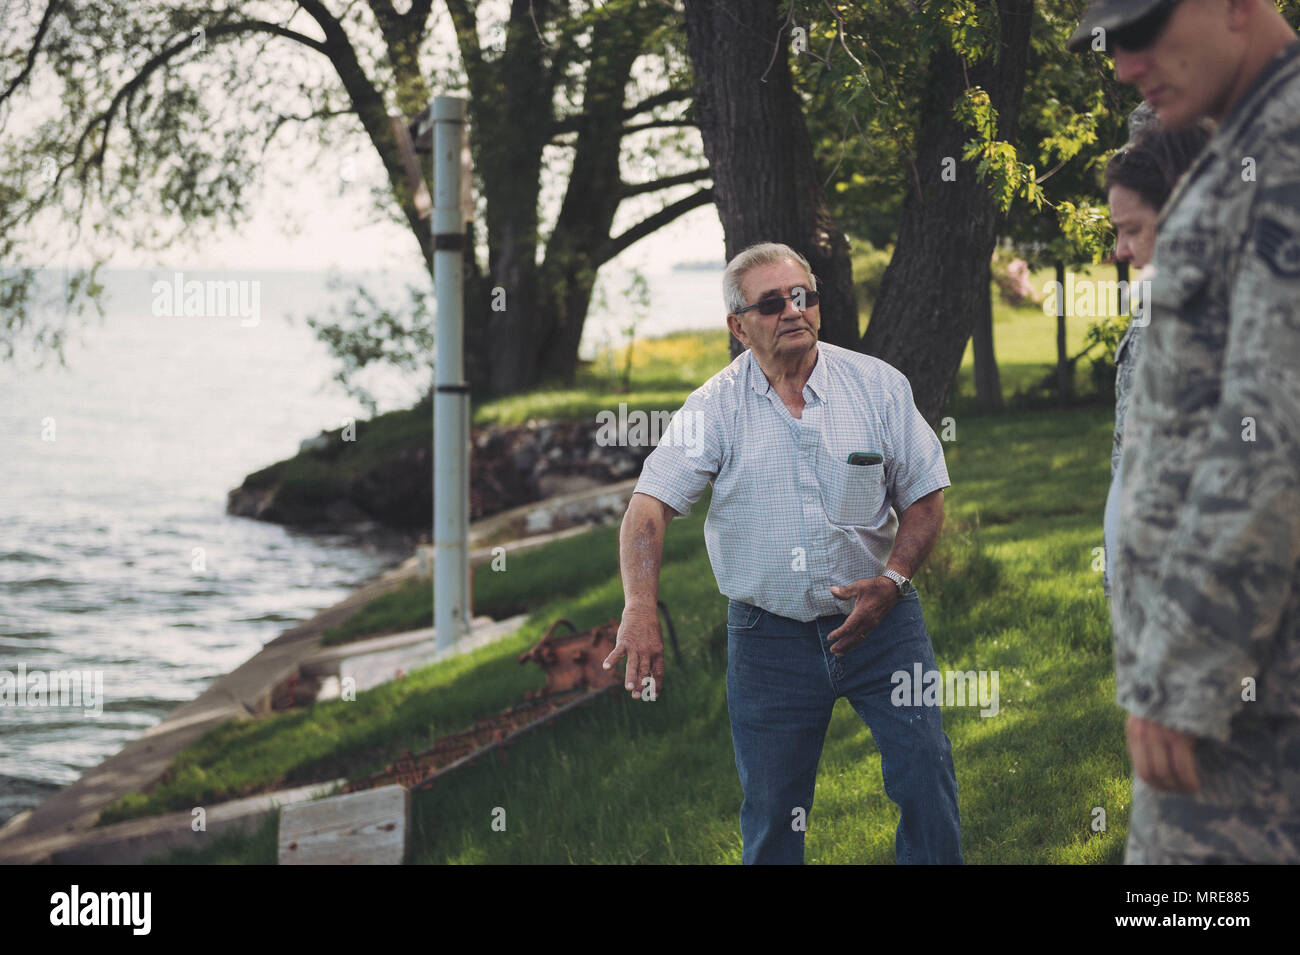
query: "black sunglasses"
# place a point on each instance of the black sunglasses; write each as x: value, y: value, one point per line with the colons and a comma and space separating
x: 1140, y: 34
x: 775, y: 304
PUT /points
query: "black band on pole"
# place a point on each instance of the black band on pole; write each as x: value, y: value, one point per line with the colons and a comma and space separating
x: 449, y: 241
x: 462, y: 388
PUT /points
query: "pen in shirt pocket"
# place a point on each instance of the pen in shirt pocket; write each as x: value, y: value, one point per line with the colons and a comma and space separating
x: 865, y: 458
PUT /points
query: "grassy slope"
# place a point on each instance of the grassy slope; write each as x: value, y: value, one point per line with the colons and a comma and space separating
x: 630, y: 782
x: 1011, y: 588
x: 341, y: 738
x: 313, y: 478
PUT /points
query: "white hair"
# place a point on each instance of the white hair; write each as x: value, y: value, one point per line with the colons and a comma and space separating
x: 764, y: 253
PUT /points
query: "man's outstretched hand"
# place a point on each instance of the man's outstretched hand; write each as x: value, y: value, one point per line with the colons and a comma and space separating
x: 1165, y: 758
x: 640, y: 641
x: 872, y: 597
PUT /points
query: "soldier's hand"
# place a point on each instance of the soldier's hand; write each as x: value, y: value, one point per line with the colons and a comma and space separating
x: 873, y: 597
x: 640, y: 641
x: 1165, y: 758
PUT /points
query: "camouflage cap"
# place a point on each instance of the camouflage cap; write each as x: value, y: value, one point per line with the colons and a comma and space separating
x: 1109, y: 15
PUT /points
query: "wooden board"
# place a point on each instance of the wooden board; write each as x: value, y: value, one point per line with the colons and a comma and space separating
x: 133, y: 841
x: 365, y: 828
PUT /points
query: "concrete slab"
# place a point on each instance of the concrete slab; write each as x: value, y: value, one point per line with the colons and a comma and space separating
x: 371, y: 827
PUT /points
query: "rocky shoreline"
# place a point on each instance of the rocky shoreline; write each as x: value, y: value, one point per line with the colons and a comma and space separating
x: 389, y: 500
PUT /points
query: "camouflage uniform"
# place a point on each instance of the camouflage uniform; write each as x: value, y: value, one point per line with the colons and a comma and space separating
x: 1126, y: 360
x: 1126, y: 355
x: 1207, y: 574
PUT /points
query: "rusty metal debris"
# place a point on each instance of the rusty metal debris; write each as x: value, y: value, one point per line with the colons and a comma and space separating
x: 574, y: 660
x: 574, y: 676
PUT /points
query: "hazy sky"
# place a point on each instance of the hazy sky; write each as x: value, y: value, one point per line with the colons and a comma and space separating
x: 337, y: 230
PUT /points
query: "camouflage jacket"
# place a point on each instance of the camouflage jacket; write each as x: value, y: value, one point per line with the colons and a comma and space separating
x: 1207, y: 578
x: 1126, y: 354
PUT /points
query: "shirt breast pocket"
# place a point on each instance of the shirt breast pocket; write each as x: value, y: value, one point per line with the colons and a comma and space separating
x: 1187, y: 338
x: 1188, y: 256
x: 851, y: 493
x: 1178, y: 287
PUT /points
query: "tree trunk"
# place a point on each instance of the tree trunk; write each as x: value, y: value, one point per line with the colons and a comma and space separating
x: 511, y: 119
x: 988, y: 384
x: 537, y: 334
x: 591, y: 200
x: 938, y: 280
x: 1064, y: 370
x: 765, y: 185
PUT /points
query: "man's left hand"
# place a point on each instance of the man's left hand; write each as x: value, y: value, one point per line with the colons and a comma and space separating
x: 872, y: 597
x: 1165, y: 758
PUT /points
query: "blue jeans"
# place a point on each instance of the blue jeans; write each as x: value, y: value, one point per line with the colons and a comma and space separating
x: 782, y: 684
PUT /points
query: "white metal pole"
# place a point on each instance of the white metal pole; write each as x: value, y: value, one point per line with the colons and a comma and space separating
x: 451, y: 393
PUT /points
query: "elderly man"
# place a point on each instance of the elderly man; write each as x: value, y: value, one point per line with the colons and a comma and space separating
x: 811, y: 449
x: 1207, y: 575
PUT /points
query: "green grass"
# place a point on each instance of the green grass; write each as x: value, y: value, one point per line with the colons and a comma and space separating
x: 1024, y: 338
x: 409, y: 606
x: 1010, y: 588
x: 339, y: 738
x: 1024, y: 341
x: 627, y: 782
x: 258, y: 847
x: 318, y: 478
x: 664, y: 371
x: 528, y: 580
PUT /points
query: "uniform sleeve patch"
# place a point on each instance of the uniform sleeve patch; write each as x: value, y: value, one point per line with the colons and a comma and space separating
x: 1279, y: 247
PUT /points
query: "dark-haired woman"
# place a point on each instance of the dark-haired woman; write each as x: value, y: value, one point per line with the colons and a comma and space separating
x: 1139, y: 180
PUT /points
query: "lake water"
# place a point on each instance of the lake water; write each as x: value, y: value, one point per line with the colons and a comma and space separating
x: 116, y: 555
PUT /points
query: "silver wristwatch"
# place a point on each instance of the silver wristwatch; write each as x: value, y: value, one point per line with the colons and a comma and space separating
x: 902, y: 583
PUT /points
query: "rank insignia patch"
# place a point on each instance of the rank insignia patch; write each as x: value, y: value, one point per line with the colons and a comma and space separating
x: 1279, y: 247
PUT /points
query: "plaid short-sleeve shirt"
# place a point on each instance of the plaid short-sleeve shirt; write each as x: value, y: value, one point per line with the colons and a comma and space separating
x: 790, y: 517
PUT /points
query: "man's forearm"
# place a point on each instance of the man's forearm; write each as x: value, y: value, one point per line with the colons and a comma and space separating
x: 918, y: 530
x: 640, y: 551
